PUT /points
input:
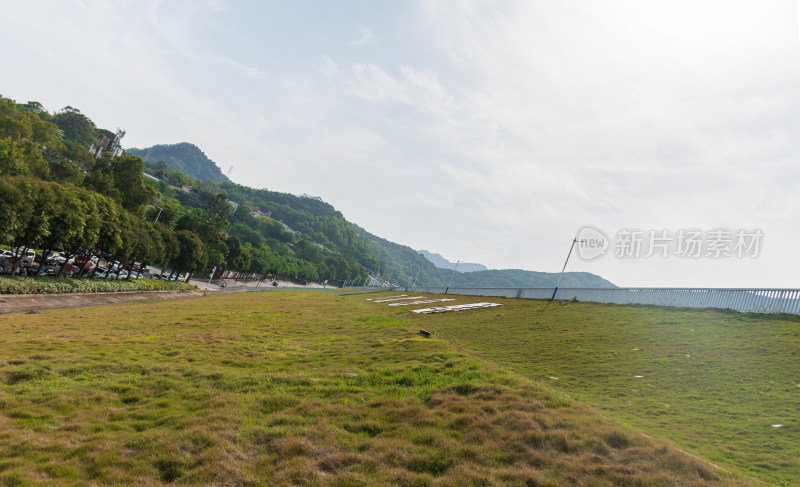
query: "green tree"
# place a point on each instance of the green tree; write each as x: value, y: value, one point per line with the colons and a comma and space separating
x: 192, y: 255
x: 121, y: 178
x: 126, y: 171
x: 39, y: 196
x: 239, y: 256
x: 78, y: 129
x: 15, y: 209
x: 217, y: 214
x: 171, y: 246
x: 66, y: 222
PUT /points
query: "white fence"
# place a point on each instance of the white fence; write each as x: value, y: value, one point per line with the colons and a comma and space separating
x: 755, y: 300
x: 333, y: 290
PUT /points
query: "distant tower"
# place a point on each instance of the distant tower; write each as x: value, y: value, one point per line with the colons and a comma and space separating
x: 230, y: 170
x: 115, y: 147
x: 105, y: 145
x: 102, y: 145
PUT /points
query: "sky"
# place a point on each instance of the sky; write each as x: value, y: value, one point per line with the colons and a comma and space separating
x: 487, y: 131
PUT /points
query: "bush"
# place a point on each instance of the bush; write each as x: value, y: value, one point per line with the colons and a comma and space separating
x: 53, y: 285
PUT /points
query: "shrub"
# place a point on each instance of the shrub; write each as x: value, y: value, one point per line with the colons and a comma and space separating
x: 54, y: 285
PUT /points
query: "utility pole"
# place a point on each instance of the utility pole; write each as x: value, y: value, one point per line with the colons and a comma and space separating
x: 159, y: 212
x: 451, y: 276
x: 209, y: 279
x: 409, y: 282
x: 415, y: 277
x: 574, y: 241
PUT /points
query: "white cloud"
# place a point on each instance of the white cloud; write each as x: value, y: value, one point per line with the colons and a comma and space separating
x: 367, y: 37
x: 243, y: 68
x: 487, y: 131
x: 615, y: 112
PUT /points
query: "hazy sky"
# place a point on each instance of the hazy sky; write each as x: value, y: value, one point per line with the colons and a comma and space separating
x: 485, y: 131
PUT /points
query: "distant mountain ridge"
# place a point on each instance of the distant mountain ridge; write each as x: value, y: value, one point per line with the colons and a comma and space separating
x: 397, y: 263
x: 405, y: 266
x: 443, y: 263
x: 523, y: 278
x: 184, y: 157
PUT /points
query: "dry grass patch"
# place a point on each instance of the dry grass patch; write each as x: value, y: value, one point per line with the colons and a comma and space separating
x: 291, y: 389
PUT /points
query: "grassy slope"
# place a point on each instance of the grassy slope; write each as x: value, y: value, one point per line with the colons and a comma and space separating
x: 293, y: 388
x: 714, y: 382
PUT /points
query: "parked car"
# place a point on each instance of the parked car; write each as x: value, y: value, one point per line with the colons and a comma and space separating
x: 46, y: 271
x: 5, y: 254
x: 56, y: 258
x: 27, y: 258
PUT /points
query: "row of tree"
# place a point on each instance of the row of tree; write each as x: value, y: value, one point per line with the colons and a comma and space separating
x: 52, y: 216
x: 56, y: 195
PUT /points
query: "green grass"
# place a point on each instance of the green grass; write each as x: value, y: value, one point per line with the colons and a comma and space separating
x: 299, y: 389
x: 713, y: 382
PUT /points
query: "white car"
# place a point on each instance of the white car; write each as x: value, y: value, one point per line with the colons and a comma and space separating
x: 56, y: 258
x: 27, y: 257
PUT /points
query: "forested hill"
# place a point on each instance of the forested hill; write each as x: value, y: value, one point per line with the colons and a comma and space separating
x: 522, y: 278
x: 443, y: 263
x: 184, y: 157
x: 405, y: 266
x: 327, y: 230
x: 57, y: 195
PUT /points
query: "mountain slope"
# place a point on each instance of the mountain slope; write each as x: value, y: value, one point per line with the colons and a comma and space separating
x: 523, y: 278
x: 403, y: 266
x: 443, y: 263
x: 326, y: 226
x: 184, y: 157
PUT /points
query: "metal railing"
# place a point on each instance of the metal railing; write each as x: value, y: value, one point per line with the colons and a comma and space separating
x: 762, y: 300
x: 333, y: 290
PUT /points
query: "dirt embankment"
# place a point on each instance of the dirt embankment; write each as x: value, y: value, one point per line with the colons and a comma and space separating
x: 31, y: 303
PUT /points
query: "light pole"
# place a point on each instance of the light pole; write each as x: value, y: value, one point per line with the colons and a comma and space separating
x: 159, y: 212
x: 209, y: 278
x: 574, y: 241
x: 415, y: 277
x: 409, y: 281
x: 451, y: 276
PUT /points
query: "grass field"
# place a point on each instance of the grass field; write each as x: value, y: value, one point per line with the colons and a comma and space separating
x: 713, y: 382
x: 316, y: 389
